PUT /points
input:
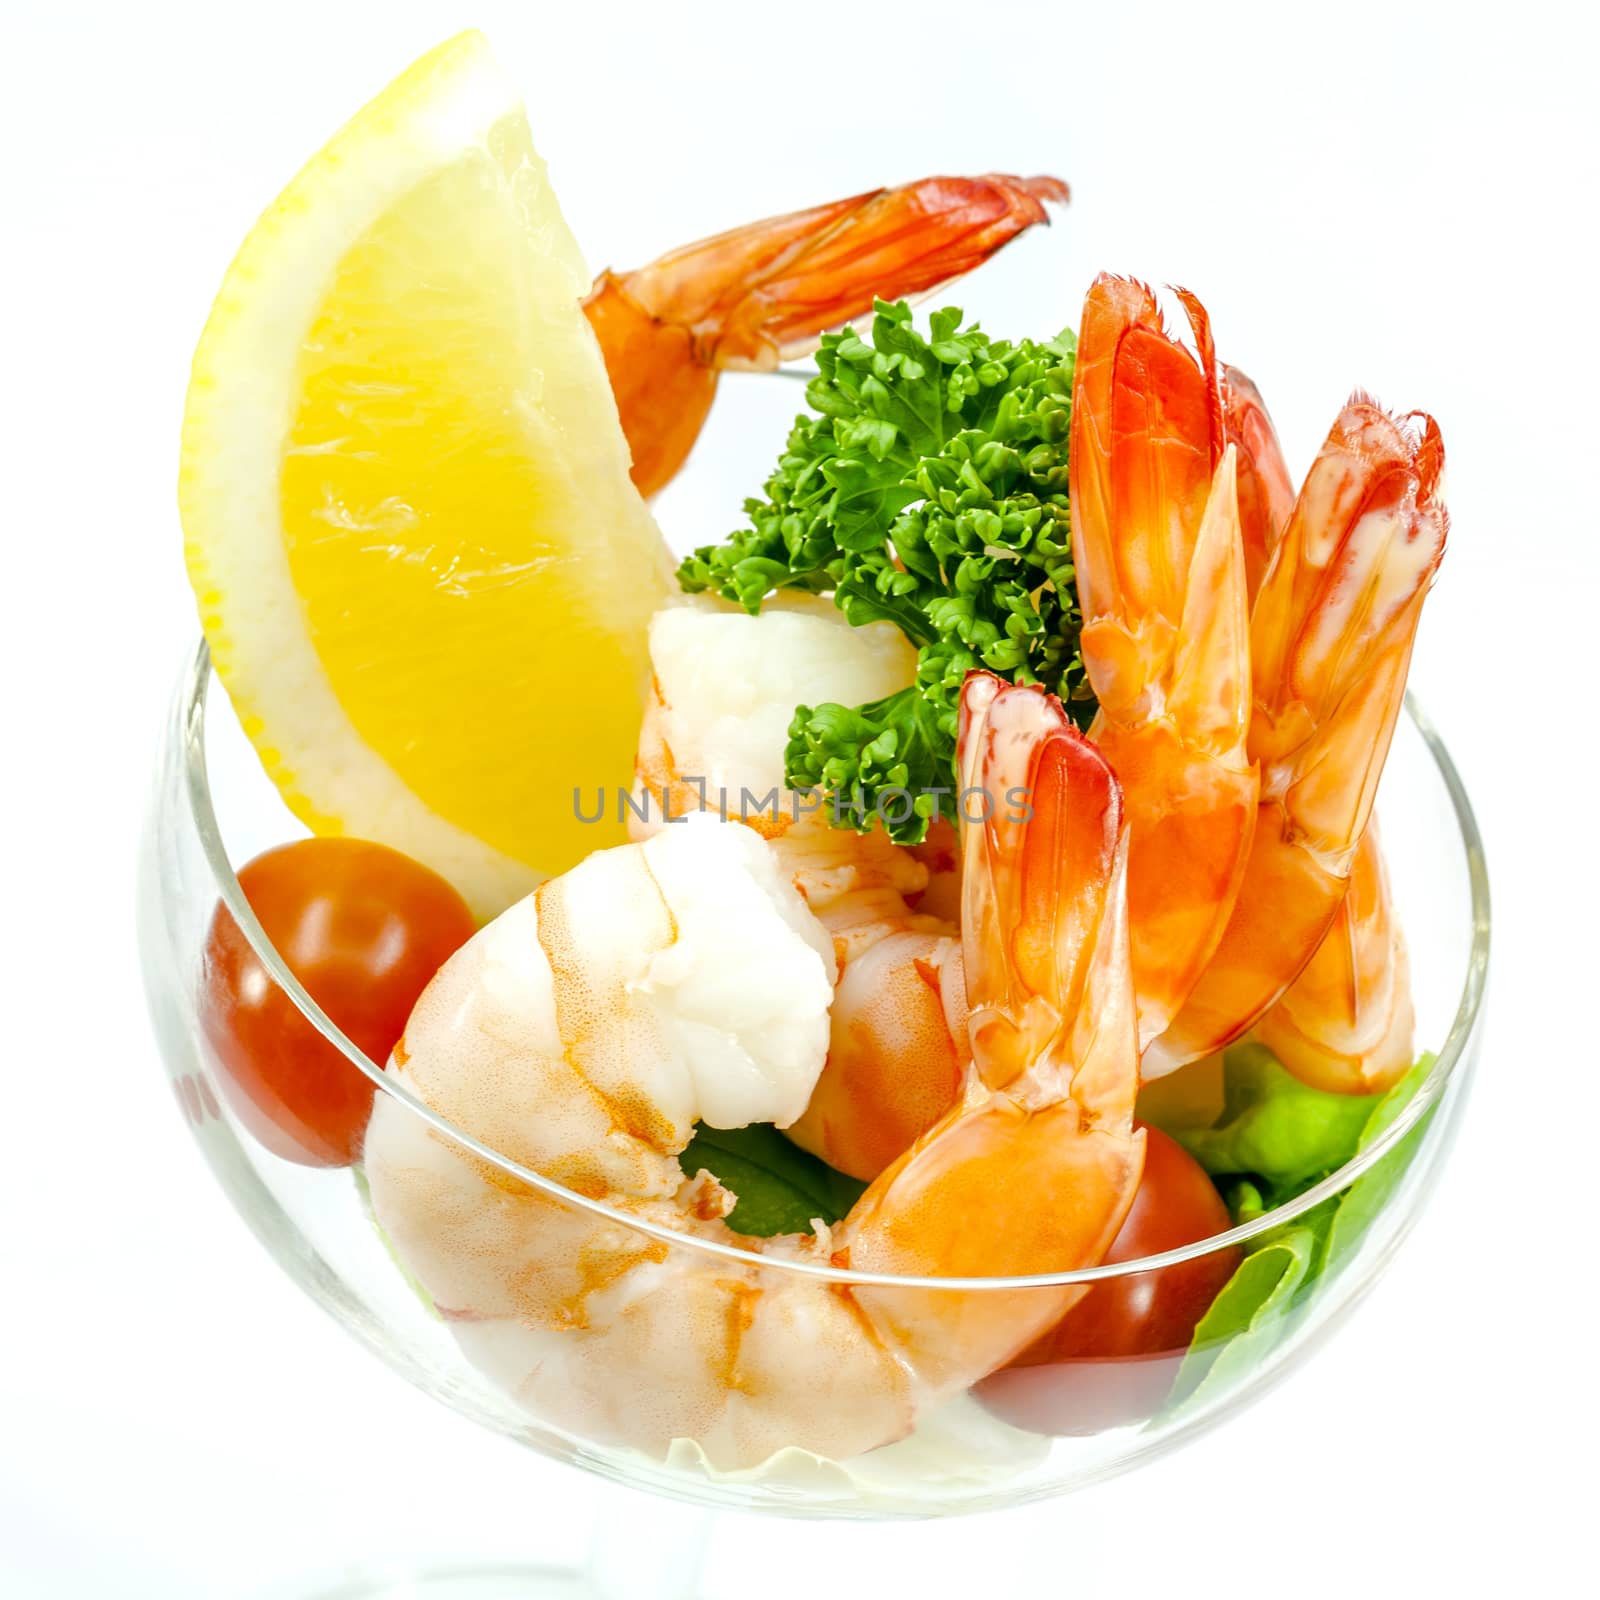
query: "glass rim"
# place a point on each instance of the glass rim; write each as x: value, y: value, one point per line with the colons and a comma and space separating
x: 188, y: 727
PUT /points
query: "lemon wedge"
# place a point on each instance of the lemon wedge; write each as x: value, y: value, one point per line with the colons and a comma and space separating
x: 421, y: 565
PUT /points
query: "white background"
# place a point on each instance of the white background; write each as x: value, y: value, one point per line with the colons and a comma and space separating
x: 1395, y: 198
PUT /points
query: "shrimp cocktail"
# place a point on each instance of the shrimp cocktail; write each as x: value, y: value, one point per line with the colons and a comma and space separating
x: 902, y: 1000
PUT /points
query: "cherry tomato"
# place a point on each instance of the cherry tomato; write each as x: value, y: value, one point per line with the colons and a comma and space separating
x: 1112, y: 1358
x: 363, y: 928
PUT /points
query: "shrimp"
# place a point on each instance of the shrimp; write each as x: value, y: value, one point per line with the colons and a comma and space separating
x: 586, y: 1030
x: 1266, y: 491
x: 1331, y: 637
x: 724, y: 688
x: 1162, y: 580
x: 1345, y: 1024
x: 766, y: 292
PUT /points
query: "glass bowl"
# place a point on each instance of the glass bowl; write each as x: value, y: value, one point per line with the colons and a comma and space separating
x: 1034, y: 1432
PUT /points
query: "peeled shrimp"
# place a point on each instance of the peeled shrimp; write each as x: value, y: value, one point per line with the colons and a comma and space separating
x: 766, y: 292
x: 586, y: 1030
x: 1331, y: 637
x: 1162, y: 580
x: 724, y: 688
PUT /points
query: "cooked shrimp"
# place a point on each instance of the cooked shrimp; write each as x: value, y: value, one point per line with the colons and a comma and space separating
x: 895, y: 1050
x: 1345, y: 1024
x: 897, y: 1035
x: 586, y: 1031
x: 725, y: 685
x: 1331, y: 637
x: 1266, y: 491
x: 1162, y: 582
x: 766, y: 292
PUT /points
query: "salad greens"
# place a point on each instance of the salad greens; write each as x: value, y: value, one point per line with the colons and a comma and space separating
x: 1295, y: 1141
x: 1275, y: 1127
x: 929, y: 490
x: 781, y: 1188
x: 1248, y: 1317
x: 1365, y: 1198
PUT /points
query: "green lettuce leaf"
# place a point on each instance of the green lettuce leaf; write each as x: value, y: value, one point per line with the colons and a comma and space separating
x: 1244, y: 1199
x: 1275, y: 1128
x: 1371, y: 1192
x: 781, y: 1187
x: 1285, y: 1267
x: 1249, y: 1317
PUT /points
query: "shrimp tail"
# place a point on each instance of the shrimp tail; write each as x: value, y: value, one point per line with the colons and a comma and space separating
x: 1147, y: 434
x: 1161, y: 565
x: 1333, y: 626
x: 1331, y: 636
x: 1346, y: 1023
x: 1266, y: 492
x: 1044, y: 905
x: 1048, y: 1108
x: 764, y: 293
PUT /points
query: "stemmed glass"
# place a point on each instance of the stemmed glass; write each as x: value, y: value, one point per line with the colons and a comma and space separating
x: 212, y: 809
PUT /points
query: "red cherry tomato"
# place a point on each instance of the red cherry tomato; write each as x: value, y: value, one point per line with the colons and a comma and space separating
x: 363, y: 928
x: 1112, y: 1358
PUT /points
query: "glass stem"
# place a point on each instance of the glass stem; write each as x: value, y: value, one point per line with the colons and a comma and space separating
x: 645, y: 1545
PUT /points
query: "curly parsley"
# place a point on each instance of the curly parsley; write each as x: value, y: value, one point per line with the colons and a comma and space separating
x: 930, y: 491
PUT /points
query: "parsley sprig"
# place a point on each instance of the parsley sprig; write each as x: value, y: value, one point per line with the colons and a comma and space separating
x: 929, y: 490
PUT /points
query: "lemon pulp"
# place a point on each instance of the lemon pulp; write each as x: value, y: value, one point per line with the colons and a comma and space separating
x: 430, y: 611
